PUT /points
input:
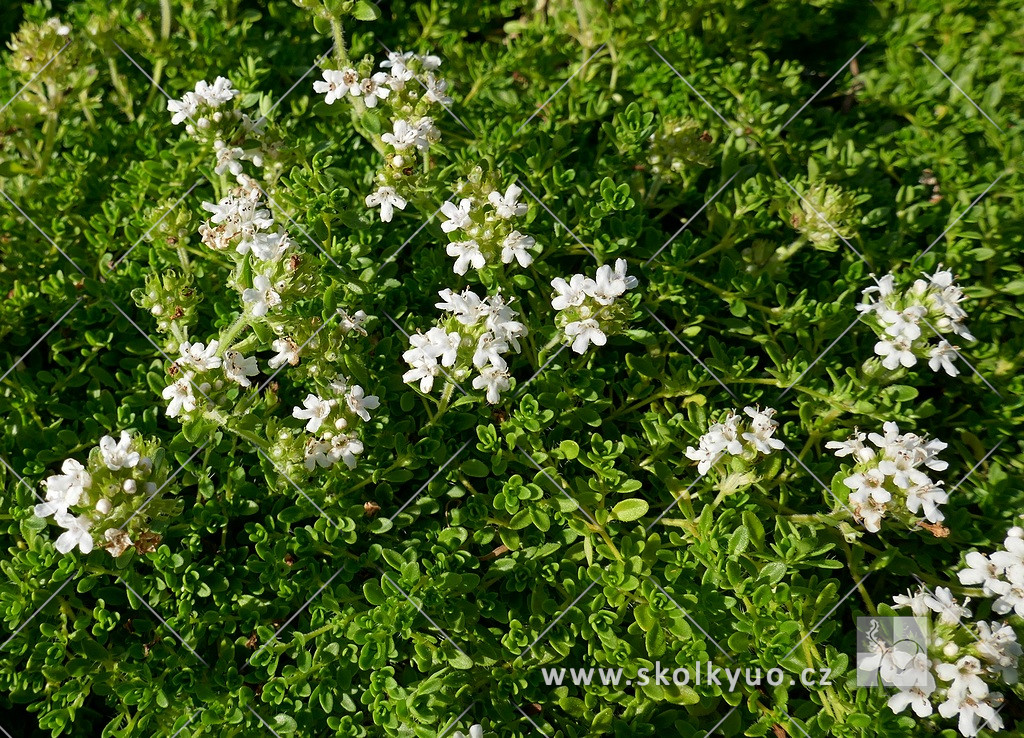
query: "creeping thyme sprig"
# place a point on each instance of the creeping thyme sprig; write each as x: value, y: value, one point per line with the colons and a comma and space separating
x: 591, y: 309
x: 111, y: 500
x: 472, y: 339
x: 735, y: 444
x: 954, y: 670
x: 407, y: 92
x: 481, y: 224
x: 889, y: 481
x: 907, y: 321
x: 230, y: 132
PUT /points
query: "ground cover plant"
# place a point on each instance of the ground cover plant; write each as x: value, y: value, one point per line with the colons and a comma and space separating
x: 371, y: 369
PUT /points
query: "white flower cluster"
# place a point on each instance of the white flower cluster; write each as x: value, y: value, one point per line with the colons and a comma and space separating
x: 482, y: 225
x: 890, y: 478
x: 406, y: 89
x: 475, y: 731
x: 204, y: 368
x: 225, y: 128
x: 906, y: 321
x: 330, y: 421
x: 473, y: 338
x: 590, y: 309
x: 105, y: 493
x: 242, y: 220
x: 955, y: 668
x: 1000, y: 574
x: 736, y: 436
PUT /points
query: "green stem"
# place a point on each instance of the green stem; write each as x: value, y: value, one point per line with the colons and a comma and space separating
x: 340, y: 52
x: 232, y: 331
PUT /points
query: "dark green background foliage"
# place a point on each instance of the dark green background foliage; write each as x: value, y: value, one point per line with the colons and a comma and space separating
x: 248, y: 551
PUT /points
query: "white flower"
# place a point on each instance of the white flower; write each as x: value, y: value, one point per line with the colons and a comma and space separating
x: 287, y: 353
x: 584, y: 333
x: 436, y: 90
x: 488, y: 351
x: 916, y: 697
x: 345, y: 448
x: 458, y: 215
x: 869, y: 483
x: 184, y: 108
x: 895, y: 352
x: 868, y: 510
x: 467, y: 255
x: 706, y: 454
x: 972, y: 712
x: 508, y: 206
x: 516, y: 246
x: 761, y: 429
x: 387, y: 199
x: 941, y: 357
x: 568, y: 294
x: 495, y: 380
x: 266, y: 246
x: 475, y: 731
x: 359, y: 402
x: 981, y: 570
x: 337, y: 83
x: 201, y: 357
x: 317, y: 454
x: 179, y: 396
x: 118, y: 454
x: 467, y: 305
x: 239, y: 368
x: 261, y: 295
x: 927, y: 497
x: 314, y: 411
x: 348, y: 323
x: 1011, y: 559
x: 423, y: 371
x: 917, y: 602
x: 117, y: 541
x: 853, y: 446
x: 76, y: 533
x: 950, y: 611
x: 964, y: 676
x: 608, y: 284
x: 371, y: 90
x: 403, y: 135
x: 64, y: 490
x: 1011, y: 597
x: 216, y: 94
x: 997, y: 644
x: 903, y: 322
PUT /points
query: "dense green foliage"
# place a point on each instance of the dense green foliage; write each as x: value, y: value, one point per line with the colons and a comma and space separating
x: 474, y: 544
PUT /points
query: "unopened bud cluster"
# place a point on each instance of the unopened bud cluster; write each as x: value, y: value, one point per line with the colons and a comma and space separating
x: 678, y: 146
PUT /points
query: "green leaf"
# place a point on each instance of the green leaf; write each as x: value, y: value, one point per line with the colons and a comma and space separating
x: 629, y: 510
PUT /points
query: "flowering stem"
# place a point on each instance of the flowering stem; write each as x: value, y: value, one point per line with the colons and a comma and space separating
x: 340, y: 52
x: 232, y: 331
